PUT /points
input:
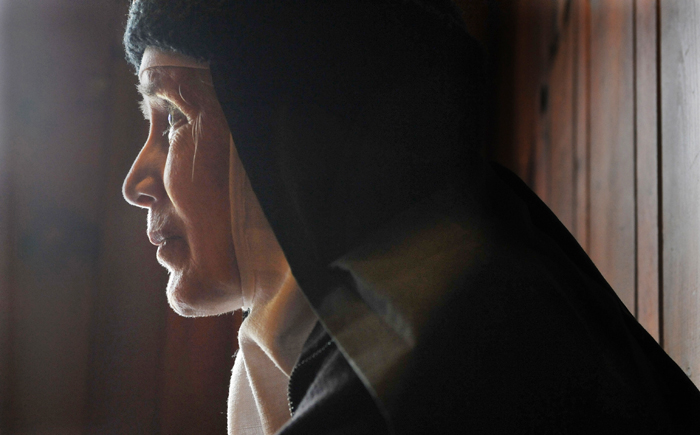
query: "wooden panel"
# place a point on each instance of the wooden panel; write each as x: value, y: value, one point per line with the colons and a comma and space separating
x: 646, y: 122
x: 546, y: 20
x: 5, y: 231
x: 561, y: 117
x: 612, y: 208
x: 58, y: 73
x: 680, y: 128
x: 537, y: 29
x: 196, y: 373
x: 528, y: 72
x: 581, y: 16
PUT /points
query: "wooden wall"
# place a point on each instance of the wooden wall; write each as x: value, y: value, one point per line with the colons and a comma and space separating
x: 605, y: 114
x: 679, y: 69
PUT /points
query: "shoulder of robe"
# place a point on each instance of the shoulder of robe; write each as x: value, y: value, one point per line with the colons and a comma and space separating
x: 326, y: 394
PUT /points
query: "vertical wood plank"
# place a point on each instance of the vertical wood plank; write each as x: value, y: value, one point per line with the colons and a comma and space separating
x: 5, y: 230
x: 58, y: 72
x: 680, y: 156
x: 581, y: 21
x: 612, y: 219
x: 546, y: 20
x: 646, y: 108
x: 528, y: 72
x: 196, y: 372
x: 561, y: 186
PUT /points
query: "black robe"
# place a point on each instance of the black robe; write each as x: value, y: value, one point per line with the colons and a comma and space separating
x: 513, y: 352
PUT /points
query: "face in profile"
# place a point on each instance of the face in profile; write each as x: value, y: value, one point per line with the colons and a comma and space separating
x: 181, y: 176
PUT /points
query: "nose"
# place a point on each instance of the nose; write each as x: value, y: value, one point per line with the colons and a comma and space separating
x: 143, y: 185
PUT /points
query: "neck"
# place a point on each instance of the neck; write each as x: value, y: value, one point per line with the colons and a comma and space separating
x: 279, y: 323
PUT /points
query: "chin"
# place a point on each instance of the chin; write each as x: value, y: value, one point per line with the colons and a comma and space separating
x: 199, y: 299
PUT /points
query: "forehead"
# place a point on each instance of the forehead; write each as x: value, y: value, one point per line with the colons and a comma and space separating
x: 158, y: 80
x: 172, y: 83
x: 158, y: 66
x: 154, y: 57
x: 169, y: 88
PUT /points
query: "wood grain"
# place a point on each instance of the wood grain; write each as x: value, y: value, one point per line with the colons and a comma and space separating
x: 581, y: 22
x: 529, y: 72
x: 680, y: 132
x: 197, y: 362
x: 561, y: 118
x: 612, y: 208
x: 646, y: 135
x: 5, y: 239
x: 58, y: 74
x: 546, y: 23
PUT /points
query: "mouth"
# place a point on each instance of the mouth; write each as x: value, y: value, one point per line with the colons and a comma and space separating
x: 172, y: 250
x: 172, y: 246
x: 159, y: 238
x: 161, y: 228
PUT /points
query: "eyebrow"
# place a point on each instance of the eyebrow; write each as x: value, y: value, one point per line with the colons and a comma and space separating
x: 151, y: 91
x: 154, y: 85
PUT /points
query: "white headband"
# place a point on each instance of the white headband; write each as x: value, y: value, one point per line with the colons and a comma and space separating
x: 153, y: 57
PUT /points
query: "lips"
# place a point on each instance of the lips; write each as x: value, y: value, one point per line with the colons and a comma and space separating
x: 161, y: 228
x: 160, y: 237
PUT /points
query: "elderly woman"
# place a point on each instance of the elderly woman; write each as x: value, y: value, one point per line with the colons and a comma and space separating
x: 316, y: 164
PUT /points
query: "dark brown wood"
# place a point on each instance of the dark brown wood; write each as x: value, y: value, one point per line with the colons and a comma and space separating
x: 646, y: 122
x: 680, y: 132
x: 58, y: 69
x: 612, y: 208
x: 536, y: 27
x: 561, y: 117
x: 196, y: 372
x: 546, y: 21
x: 5, y: 239
x: 528, y: 72
x: 581, y: 21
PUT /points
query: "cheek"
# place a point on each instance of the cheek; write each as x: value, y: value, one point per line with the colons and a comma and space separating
x: 177, y: 178
x: 196, y: 178
x: 212, y: 154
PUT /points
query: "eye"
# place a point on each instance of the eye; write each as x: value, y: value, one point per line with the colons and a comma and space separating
x: 175, y: 117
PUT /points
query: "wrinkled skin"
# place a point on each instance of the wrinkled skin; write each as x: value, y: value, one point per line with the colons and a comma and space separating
x: 182, y: 177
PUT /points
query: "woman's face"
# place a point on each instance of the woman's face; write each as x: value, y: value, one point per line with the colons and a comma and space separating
x: 182, y: 177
